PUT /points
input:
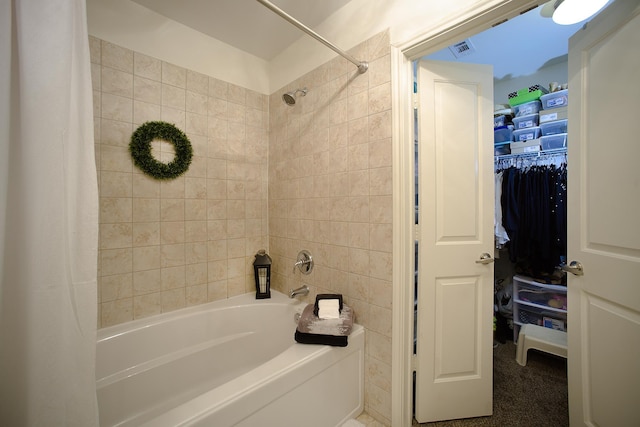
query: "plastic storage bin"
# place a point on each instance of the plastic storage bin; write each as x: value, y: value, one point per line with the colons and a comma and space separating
x: 528, y: 108
x: 553, y: 114
x: 501, y: 150
x: 528, y: 121
x: 502, y: 120
x: 526, y: 134
x: 544, y: 298
x: 555, y: 99
x: 538, y: 303
x: 553, y: 128
x: 553, y: 142
x: 503, y: 134
x: 541, y: 317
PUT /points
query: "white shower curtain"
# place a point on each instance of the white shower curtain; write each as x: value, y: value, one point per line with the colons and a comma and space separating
x: 48, y: 216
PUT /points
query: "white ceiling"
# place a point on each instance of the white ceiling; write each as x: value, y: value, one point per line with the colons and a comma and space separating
x: 518, y: 47
x: 247, y: 24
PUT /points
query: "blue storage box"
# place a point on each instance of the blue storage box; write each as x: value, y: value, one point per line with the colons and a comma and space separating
x: 528, y: 108
x: 555, y: 99
x: 528, y: 121
x: 501, y: 150
x: 501, y: 120
x: 553, y: 142
x: 503, y: 134
x: 553, y: 128
x: 526, y: 134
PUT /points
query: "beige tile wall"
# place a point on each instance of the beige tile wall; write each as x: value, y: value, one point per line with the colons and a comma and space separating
x: 170, y: 244
x: 167, y: 245
x: 330, y: 192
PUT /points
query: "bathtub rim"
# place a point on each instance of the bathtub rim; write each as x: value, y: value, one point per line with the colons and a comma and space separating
x: 305, y: 354
x: 276, y: 369
x: 113, y: 331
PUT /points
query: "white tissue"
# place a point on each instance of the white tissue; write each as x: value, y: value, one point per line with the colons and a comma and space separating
x: 329, y: 309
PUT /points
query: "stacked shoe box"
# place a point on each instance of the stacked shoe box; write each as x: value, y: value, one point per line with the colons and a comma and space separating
x: 553, y: 120
x: 526, y: 106
x: 502, y: 131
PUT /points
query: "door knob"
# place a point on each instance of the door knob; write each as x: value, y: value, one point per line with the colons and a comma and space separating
x: 574, y: 267
x: 485, y: 258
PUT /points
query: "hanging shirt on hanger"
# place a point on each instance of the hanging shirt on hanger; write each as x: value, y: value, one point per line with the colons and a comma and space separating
x: 501, y: 235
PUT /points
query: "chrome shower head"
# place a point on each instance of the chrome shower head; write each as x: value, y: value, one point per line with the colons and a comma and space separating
x: 289, y: 98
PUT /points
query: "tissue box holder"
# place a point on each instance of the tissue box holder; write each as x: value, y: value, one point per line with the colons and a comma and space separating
x: 334, y: 332
x: 327, y: 296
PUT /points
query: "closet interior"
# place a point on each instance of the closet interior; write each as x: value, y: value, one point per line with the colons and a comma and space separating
x: 530, y: 218
x: 531, y: 134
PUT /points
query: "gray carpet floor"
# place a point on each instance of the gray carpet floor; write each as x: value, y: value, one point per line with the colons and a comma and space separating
x: 534, y: 395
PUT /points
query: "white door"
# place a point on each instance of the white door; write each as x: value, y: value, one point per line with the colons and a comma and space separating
x: 454, y: 365
x: 604, y: 219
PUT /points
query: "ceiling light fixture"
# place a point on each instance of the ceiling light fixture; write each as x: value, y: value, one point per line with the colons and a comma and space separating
x: 568, y: 12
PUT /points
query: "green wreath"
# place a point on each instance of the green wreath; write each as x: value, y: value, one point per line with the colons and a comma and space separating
x: 140, y: 148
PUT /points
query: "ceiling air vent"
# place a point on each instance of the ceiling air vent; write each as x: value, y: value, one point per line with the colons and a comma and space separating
x: 464, y: 48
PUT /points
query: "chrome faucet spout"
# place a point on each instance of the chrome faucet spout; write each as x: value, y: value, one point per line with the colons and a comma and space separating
x: 302, y: 290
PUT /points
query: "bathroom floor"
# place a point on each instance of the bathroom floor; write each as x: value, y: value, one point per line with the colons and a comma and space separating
x: 369, y: 421
x: 524, y: 396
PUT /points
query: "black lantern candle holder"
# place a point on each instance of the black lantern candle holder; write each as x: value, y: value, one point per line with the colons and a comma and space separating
x: 262, y: 271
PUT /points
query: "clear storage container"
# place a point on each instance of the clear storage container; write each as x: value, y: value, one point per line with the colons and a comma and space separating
x: 553, y: 128
x: 501, y: 150
x: 528, y: 121
x: 555, y: 99
x: 503, y: 134
x: 554, y: 142
x: 527, y: 108
x: 502, y: 120
x: 526, y: 134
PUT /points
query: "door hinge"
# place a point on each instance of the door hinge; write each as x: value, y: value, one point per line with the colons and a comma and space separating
x: 414, y: 100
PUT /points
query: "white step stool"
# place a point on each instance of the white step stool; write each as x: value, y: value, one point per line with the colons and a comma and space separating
x: 539, y: 338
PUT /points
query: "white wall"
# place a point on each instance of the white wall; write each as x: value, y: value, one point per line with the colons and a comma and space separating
x: 130, y: 25
x: 135, y: 27
x: 557, y: 72
x: 359, y: 20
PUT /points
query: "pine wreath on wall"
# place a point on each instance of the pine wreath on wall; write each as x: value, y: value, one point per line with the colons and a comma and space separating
x: 140, y: 149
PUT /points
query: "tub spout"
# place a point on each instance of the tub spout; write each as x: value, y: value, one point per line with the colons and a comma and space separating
x: 302, y: 290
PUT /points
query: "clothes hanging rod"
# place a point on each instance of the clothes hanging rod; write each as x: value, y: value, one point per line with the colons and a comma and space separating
x: 541, y: 153
x: 363, y: 66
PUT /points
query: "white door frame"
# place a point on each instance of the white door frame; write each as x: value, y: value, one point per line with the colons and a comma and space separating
x: 479, y: 18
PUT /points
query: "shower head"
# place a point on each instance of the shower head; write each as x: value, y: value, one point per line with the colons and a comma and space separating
x: 289, y: 98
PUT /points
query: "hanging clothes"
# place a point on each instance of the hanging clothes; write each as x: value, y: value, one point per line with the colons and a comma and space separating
x: 501, y: 236
x: 534, y: 215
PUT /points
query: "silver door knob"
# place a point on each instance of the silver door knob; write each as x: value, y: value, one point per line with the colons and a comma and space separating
x: 574, y: 267
x: 485, y: 258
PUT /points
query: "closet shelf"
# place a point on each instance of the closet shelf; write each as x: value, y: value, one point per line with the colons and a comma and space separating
x: 540, y: 306
x: 552, y: 152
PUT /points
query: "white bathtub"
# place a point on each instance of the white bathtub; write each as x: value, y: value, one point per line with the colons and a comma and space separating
x: 226, y: 363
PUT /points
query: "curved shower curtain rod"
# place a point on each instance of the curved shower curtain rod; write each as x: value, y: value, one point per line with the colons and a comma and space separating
x: 363, y: 66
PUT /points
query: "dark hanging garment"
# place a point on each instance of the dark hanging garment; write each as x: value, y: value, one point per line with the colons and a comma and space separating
x: 534, y: 216
x: 510, y: 208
